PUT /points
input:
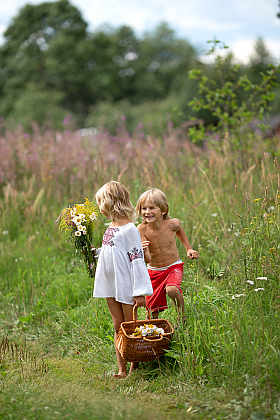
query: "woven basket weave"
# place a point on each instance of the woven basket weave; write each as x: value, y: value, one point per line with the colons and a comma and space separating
x: 143, y: 349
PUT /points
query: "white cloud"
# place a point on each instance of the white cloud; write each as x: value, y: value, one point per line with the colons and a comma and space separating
x: 243, y: 49
x: 274, y: 47
x: 117, y: 13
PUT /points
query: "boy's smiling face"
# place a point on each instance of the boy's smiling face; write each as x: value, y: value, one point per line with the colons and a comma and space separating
x: 151, y: 213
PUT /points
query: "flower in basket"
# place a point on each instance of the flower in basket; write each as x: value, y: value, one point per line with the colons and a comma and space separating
x: 80, y: 221
x: 147, y: 330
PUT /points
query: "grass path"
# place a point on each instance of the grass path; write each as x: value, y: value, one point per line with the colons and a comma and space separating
x: 81, y: 387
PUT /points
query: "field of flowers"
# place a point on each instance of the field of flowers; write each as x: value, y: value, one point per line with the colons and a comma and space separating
x: 57, y: 347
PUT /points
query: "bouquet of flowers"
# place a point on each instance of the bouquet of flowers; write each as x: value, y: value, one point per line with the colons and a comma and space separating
x: 80, y: 221
x: 147, y: 330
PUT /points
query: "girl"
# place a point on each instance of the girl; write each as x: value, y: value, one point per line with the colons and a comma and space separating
x: 121, y: 274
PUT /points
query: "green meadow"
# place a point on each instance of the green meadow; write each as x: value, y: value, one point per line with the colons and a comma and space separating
x: 57, y: 351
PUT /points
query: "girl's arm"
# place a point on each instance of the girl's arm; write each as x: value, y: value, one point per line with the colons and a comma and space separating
x: 191, y: 254
x: 139, y: 301
x: 140, y: 279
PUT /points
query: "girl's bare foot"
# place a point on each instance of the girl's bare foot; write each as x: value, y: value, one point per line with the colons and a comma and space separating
x: 122, y: 375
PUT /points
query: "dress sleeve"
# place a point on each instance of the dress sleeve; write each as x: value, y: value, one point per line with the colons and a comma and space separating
x: 141, y: 283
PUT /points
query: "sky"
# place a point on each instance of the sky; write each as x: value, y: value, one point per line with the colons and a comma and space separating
x: 237, y: 23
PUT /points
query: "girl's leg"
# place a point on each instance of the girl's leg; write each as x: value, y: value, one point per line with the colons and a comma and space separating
x: 120, y: 312
x: 128, y: 316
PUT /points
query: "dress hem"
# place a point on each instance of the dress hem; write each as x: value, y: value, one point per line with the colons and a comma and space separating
x: 104, y: 297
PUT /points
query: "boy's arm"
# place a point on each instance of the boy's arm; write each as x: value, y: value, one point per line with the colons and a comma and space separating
x: 145, y: 246
x: 147, y: 254
x: 191, y: 253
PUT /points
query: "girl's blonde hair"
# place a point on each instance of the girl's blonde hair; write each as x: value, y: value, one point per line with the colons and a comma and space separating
x: 114, y: 199
x: 157, y: 198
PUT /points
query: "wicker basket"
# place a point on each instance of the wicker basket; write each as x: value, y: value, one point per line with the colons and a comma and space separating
x: 143, y: 349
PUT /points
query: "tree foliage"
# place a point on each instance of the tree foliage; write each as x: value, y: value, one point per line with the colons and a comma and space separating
x: 222, y: 98
x: 48, y: 46
x: 50, y: 60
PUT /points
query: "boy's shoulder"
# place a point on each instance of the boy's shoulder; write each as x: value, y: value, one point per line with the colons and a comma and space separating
x: 141, y: 226
x: 174, y: 224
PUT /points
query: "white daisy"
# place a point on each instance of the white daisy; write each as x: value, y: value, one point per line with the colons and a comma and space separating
x: 77, y: 220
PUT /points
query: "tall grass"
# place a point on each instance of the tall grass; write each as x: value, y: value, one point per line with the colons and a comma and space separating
x: 229, y: 210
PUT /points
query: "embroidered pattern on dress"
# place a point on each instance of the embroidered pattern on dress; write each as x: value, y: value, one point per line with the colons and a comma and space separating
x: 134, y: 254
x: 109, y: 235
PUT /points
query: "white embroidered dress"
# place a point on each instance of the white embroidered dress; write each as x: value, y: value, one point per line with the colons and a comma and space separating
x: 121, y: 270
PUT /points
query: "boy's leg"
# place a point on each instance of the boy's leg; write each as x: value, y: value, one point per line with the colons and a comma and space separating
x: 158, y: 298
x: 173, y: 282
x: 120, y: 312
x: 174, y: 293
x: 155, y: 314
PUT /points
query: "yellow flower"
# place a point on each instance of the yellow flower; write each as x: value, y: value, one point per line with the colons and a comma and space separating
x: 80, y: 220
x: 88, y: 209
x: 79, y: 213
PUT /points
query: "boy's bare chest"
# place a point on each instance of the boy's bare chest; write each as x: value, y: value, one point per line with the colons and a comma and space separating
x: 163, y: 237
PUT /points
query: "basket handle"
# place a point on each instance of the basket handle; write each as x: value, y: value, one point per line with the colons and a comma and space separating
x: 135, y: 313
x: 157, y: 339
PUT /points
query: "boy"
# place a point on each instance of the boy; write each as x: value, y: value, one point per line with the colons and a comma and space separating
x: 158, y: 235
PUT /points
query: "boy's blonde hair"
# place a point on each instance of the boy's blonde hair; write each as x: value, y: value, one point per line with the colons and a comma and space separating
x: 114, y: 199
x: 156, y: 197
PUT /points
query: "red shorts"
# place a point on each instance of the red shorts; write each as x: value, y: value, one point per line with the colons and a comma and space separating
x: 160, y: 280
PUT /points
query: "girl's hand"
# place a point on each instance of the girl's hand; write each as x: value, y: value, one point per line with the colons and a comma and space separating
x: 139, y: 301
x: 191, y: 253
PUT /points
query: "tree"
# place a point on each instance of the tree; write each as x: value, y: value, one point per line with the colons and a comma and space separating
x: 260, y: 60
x: 41, y: 24
x: 25, y: 54
x: 113, y: 54
x: 35, y: 104
x: 221, y: 99
x: 261, y: 54
x: 162, y: 59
